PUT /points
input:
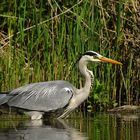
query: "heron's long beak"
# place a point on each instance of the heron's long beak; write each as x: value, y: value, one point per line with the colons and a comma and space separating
x: 104, y: 59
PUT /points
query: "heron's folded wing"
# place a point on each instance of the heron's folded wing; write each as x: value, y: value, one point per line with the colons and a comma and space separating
x: 44, y: 96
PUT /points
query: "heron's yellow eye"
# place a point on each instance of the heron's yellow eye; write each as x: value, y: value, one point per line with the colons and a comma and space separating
x: 95, y: 57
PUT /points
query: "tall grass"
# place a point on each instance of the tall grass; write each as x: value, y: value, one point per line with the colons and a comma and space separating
x: 41, y: 40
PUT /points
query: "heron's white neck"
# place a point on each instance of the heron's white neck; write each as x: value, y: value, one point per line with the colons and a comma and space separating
x: 88, y: 75
x: 82, y: 93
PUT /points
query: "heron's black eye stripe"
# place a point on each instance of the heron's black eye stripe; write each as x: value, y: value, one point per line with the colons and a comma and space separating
x: 90, y: 53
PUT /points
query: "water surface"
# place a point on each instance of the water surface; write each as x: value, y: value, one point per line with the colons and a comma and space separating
x: 99, y: 126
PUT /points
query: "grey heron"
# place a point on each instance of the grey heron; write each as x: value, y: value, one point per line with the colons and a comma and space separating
x: 37, y: 99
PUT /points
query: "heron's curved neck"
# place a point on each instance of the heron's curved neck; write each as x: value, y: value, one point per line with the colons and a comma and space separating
x: 87, y: 75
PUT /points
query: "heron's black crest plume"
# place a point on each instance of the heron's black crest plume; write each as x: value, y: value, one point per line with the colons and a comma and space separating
x: 90, y: 53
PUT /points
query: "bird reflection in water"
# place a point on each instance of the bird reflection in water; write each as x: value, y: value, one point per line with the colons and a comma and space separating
x: 42, y: 130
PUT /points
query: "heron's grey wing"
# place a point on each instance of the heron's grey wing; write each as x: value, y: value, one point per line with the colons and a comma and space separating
x: 44, y: 96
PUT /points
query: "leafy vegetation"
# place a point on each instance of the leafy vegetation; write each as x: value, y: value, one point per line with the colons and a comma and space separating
x: 41, y: 40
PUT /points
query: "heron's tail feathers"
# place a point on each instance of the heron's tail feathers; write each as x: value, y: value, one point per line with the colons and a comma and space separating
x: 3, y: 98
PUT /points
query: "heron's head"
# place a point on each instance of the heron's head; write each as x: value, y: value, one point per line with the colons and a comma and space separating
x: 95, y: 57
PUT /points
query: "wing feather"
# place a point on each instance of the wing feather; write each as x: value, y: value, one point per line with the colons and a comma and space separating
x: 43, y: 96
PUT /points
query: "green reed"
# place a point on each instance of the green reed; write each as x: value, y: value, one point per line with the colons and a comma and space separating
x: 41, y: 41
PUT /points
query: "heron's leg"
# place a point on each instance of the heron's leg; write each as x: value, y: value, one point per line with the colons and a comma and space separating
x: 35, y: 115
x: 66, y: 113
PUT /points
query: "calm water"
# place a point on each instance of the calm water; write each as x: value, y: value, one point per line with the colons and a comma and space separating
x: 96, y: 127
